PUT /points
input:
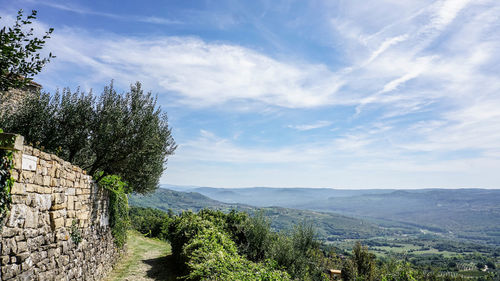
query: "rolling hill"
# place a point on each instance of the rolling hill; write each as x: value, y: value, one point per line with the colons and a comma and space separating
x: 329, y: 226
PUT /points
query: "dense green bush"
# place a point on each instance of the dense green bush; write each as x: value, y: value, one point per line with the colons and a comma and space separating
x: 118, y: 207
x: 148, y: 221
x: 6, y: 183
x: 202, y: 245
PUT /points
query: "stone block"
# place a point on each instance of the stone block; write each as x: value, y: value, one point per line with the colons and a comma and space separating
x: 19, y: 199
x: 4, y: 259
x: 54, y: 182
x: 58, y: 206
x: 17, y: 215
x: 9, y: 271
x: 8, y: 246
x: 38, y: 180
x: 31, y: 220
x: 71, y: 176
x: 82, y: 215
x: 31, y: 187
x: 58, y: 198
x: 70, y: 191
x: 46, y: 180
x: 18, y: 188
x: 78, y: 205
x: 42, y: 201
x: 45, y: 156
x: 21, y: 247
x: 14, y: 174
x: 57, y: 223
x: 71, y: 203
x: 28, y: 176
x: 8, y: 232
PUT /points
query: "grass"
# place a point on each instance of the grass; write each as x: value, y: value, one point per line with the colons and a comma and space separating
x: 146, y: 259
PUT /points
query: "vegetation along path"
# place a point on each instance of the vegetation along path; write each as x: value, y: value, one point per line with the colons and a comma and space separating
x: 146, y: 259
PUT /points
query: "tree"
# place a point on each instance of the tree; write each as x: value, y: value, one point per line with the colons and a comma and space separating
x: 116, y: 134
x: 360, y: 266
x: 19, y: 52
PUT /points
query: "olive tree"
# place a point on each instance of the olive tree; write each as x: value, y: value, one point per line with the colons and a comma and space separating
x: 110, y: 134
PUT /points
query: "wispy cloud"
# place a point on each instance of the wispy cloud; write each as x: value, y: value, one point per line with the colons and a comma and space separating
x: 200, y: 73
x: 307, y: 127
x: 86, y: 11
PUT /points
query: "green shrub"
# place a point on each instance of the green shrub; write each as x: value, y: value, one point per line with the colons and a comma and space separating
x: 118, y: 207
x: 148, y: 221
x: 6, y: 183
x: 203, y: 246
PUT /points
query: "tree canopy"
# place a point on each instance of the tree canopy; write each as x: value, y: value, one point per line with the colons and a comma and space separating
x: 122, y: 134
x: 19, y: 52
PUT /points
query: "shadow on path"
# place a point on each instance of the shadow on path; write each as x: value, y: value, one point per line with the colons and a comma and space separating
x: 162, y: 269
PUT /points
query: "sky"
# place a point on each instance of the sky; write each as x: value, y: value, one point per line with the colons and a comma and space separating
x: 337, y: 93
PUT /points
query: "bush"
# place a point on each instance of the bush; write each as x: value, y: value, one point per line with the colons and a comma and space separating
x: 201, y: 244
x: 148, y: 221
x: 118, y: 207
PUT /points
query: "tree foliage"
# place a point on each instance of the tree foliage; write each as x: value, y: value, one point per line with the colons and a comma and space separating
x: 116, y: 134
x: 19, y: 52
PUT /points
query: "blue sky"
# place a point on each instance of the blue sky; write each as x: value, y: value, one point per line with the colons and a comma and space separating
x: 343, y: 94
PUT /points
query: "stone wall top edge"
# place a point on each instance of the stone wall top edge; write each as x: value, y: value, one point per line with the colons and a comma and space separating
x: 32, y: 151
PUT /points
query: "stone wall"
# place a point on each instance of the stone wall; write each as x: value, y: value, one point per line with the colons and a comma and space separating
x: 52, y: 202
x: 11, y: 99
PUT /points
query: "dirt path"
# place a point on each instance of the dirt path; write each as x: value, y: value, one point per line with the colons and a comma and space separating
x: 146, y: 260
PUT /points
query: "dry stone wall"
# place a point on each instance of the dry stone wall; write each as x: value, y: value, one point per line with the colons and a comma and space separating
x: 54, y: 202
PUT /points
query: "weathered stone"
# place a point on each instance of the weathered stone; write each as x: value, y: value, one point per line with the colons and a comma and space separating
x: 17, y: 215
x: 71, y: 203
x: 18, y: 162
x: 19, y: 199
x: 42, y: 201
x: 38, y: 179
x: 58, y: 198
x: 8, y: 232
x: 21, y: 247
x: 18, y: 188
x: 57, y: 223
x: 31, y: 220
x: 9, y: 271
x: 46, y: 180
x: 27, y: 176
x: 8, y: 246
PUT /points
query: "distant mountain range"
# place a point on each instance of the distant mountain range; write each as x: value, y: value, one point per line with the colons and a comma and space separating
x: 471, y: 214
x: 329, y: 226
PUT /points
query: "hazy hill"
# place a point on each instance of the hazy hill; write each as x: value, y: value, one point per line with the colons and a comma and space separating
x: 464, y: 213
x: 472, y: 214
x: 329, y: 225
x: 266, y: 196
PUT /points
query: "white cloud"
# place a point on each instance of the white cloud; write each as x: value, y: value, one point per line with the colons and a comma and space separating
x: 200, y: 73
x: 307, y: 127
x: 85, y: 11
